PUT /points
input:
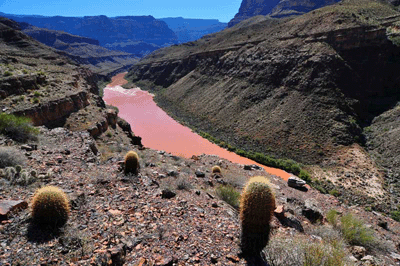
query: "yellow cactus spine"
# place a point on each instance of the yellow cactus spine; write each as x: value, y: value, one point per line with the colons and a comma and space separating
x: 257, y: 205
x: 50, y: 205
x: 131, y: 163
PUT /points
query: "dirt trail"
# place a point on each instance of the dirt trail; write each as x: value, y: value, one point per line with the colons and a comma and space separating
x: 159, y: 131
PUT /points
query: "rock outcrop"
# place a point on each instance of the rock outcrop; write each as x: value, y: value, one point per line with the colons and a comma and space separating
x: 38, y: 82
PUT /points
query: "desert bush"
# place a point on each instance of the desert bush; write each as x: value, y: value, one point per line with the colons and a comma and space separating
x: 11, y: 157
x: 228, y: 194
x: 354, y: 230
x: 301, y: 251
x: 395, y: 215
x: 50, y: 205
x: 183, y: 183
x: 17, y: 128
x: 257, y: 204
x: 131, y: 163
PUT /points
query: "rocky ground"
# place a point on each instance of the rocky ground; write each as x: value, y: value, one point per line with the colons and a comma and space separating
x: 169, y: 214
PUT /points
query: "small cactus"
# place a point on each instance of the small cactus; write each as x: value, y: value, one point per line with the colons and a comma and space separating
x: 257, y: 205
x: 18, y: 168
x: 34, y: 173
x: 50, y: 206
x: 9, y: 173
x: 216, y: 169
x: 131, y: 163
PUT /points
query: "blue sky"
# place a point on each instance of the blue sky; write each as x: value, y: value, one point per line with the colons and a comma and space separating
x: 224, y: 10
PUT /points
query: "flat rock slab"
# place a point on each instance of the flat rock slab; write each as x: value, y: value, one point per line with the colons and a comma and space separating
x: 6, y: 206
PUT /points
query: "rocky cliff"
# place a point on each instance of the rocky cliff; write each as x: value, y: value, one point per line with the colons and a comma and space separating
x: 43, y: 84
x: 300, y: 88
x: 276, y: 8
x: 85, y: 51
x: 107, y: 30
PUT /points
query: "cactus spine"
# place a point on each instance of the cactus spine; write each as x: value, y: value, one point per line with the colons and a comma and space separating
x: 131, y: 163
x: 257, y: 205
x: 50, y: 205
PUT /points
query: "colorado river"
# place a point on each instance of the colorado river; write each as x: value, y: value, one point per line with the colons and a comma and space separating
x: 159, y: 131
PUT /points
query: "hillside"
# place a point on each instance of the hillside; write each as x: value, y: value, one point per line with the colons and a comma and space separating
x: 45, y: 85
x: 108, y: 31
x: 83, y: 50
x: 276, y: 8
x: 302, y: 88
x: 173, y: 212
x: 189, y: 30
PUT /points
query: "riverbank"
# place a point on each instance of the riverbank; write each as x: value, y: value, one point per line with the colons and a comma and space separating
x: 161, y: 132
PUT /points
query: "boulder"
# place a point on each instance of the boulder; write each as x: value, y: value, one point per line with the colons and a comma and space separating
x: 296, y: 182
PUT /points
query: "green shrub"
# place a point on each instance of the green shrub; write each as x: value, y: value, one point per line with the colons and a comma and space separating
x: 354, y: 231
x: 395, y: 215
x: 37, y: 94
x: 284, y: 164
x: 8, y: 73
x: 229, y: 194
x: 332, y: 217
x: 301, y: 251
x: 17, y: 128
x: 35, y: 100
x: 11, y: 157
x: 335, y: 192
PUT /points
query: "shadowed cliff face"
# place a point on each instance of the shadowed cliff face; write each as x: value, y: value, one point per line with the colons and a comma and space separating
x: 83, y: 50
x: 276, y: 8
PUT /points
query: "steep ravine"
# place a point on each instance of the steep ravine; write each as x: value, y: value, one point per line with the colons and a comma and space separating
x: 301, y: 88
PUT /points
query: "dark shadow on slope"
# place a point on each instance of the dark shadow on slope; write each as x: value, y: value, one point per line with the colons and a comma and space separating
x: 43, y: 233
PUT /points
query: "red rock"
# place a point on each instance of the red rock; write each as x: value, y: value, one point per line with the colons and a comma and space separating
x: 115, y: 212
x: 280, y: 212
x: 233, y: 258
x: 141, y: 262
x: 6, y: 206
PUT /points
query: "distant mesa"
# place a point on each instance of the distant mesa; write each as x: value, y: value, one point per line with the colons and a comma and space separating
x: 107, y: 30
x: 138, y: 35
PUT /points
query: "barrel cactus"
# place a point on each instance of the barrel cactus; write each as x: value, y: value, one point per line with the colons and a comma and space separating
x: 131, y: 163
x: 216, y: 169
x: 257, y: 205
x: 50, y: 205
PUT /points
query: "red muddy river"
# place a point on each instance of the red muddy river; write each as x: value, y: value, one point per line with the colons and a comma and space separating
x: 159, y: 131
